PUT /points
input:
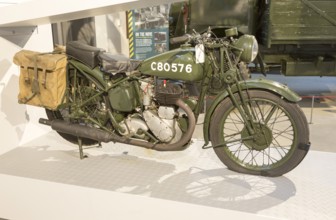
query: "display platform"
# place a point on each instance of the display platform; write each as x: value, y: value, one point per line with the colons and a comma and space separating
x: 45, y: 179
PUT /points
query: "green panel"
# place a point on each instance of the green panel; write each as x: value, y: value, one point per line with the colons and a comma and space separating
x: 301, y: 33
x: 124, y: 97
x: 297, y: 19
x: 299, y: 5
x: 238, y: 13
x: 300, y: 22
x: 242, y: 14
x: 325, y: 5
x: 302, y: 68
x: 178, y: 64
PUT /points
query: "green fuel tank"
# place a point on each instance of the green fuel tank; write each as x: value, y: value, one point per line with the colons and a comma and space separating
x: 178, y: 64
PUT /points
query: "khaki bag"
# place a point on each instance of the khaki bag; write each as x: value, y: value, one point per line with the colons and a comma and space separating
x: 42, y: 78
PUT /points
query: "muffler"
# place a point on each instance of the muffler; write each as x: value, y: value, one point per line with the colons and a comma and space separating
x: 81, y: 131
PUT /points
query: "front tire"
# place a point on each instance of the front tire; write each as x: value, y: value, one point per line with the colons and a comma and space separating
x: 280, y: 141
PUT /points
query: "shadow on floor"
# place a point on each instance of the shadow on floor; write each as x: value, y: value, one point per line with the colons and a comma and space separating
x: 219, y: 188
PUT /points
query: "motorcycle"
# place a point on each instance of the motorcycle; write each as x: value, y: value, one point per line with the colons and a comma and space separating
x: 254, y: 126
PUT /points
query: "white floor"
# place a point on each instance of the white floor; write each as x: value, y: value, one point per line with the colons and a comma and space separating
x: 45, y: 179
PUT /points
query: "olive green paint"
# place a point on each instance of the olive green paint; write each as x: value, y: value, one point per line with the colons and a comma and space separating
x: 93, y: 74
x: 124, y: 97
x: 181, y: 56
x: 259, y: 84
x: 300, y: 34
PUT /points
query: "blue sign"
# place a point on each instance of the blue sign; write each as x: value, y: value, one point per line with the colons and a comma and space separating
x: 148, y: 31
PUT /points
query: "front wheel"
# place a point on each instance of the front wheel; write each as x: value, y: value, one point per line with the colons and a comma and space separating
x: 280, y: 138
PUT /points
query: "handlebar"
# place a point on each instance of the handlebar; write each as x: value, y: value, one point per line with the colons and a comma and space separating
x: 205, y: 38
x: 181, y: 39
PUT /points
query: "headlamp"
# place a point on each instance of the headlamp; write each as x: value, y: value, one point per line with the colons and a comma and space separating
x: 248, y: 46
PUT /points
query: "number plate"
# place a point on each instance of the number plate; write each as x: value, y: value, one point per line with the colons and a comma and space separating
x: 173, y: 67
x: 200, y: 56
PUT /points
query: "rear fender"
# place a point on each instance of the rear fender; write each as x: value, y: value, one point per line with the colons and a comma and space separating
x: 258, y: 84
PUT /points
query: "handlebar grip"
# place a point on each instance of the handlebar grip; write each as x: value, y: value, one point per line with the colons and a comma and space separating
x: 177, y: 40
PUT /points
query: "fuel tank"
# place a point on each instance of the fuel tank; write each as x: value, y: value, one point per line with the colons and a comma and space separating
x: 178, y: 64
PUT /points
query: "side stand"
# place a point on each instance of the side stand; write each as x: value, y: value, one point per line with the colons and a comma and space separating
x: 80, y: 145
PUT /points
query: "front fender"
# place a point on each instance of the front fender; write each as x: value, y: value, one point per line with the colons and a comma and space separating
x: 255, y: 84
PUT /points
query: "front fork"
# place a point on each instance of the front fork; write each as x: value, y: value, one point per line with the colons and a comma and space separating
x: 244, y: 110
x: 232, y: 79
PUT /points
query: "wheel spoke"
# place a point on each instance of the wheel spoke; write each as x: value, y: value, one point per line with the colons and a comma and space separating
x: 254, y: 157
x: 243, y: 160
x: 252, y: 110
x: 268, y: 145
x: 275, y: 135
x: 238, y: 116
x: 277, y: 145
x: 271, y: 160
x: 235, y: 121
x: 275, y: 119
x: 237, y: 152
x: 270, y: 114
x: 277, y: 149
x: 230, y: 136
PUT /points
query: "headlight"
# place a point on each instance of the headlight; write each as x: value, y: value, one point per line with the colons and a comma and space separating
x: 249, y: 46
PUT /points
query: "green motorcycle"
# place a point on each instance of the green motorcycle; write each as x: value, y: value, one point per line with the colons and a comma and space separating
x: 255, y: 126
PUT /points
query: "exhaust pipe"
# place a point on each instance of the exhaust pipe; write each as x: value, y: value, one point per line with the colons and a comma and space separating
x: 99, y: 135
x: 77, y: 130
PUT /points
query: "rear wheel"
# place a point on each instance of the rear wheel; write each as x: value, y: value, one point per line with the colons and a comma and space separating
x: 280, y: 139
x: 80, y: 91
x: 52, y: 115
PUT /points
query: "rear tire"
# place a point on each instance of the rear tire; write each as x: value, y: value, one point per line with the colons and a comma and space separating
x: 279, y: 145
x: 80, y: 91
x: 53, y: 115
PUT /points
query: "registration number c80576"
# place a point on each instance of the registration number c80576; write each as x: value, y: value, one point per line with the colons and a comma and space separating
x: 174, y: 67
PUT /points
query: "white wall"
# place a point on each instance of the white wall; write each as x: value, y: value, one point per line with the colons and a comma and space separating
x: 12, y: 2
x: 111, y: 33
x: 19, y: 123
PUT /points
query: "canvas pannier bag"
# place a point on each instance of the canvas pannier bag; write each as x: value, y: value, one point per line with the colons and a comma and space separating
x: 42, y: 79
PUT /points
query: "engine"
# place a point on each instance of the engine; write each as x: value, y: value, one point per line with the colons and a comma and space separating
x: 160, y: 116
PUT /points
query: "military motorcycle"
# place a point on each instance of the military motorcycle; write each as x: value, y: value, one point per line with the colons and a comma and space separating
x: 254, y: 126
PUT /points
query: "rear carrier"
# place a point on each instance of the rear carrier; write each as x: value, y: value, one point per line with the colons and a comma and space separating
x: 42, y: 79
